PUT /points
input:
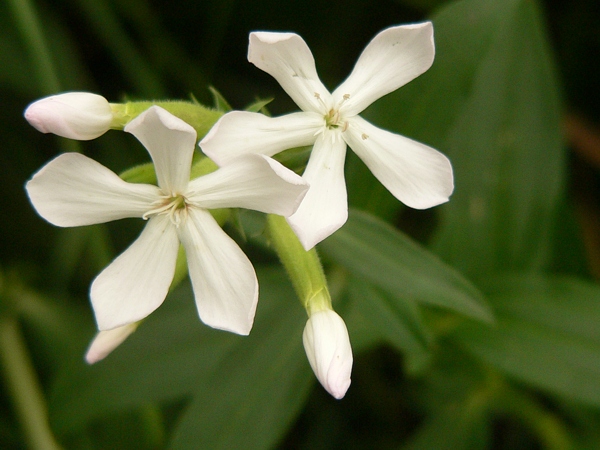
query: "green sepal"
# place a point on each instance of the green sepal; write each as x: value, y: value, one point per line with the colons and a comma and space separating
x: 294, y: 158
x: 220, y: 103
x: 259, y: 106
x: 199, y: 117
x: 202, y: 165
x: 144, y: 173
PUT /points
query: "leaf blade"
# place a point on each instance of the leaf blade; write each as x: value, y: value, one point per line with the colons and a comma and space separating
x: 390, y: 260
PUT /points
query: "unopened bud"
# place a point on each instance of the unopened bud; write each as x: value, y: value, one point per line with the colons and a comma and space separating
x: 106, y: 341
x: 328, y: 349
x: 75, y: 115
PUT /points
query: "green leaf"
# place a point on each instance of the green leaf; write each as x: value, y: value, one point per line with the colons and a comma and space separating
x: 546, y: 334
x: 162, y: 360
x: 365, y: 192
x: 372, y: 249
x: 398, y: 322
x: 457, y: 427
x: 173, y: 355
x: 504, y: 210
x: 490, y: 102
x: 250, y: 399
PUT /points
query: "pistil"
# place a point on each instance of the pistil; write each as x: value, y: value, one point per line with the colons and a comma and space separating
x: 333, y: 119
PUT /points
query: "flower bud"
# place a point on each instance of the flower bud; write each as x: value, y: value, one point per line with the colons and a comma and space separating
x: 75, y: 115
x: 328, y: 349
x: 106, y: 341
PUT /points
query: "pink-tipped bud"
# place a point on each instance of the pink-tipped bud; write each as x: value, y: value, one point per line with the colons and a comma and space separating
x: 75, y: 115
x: 328, y: 349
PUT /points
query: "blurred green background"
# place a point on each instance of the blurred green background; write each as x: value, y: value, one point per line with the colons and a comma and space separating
x: 512, y: 99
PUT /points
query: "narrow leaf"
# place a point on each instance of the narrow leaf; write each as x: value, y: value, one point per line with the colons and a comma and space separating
x: 546, y: 334
x: 398, y: 322
x: 490, y: 102
x: 250, y: 399
x: 372, y: 249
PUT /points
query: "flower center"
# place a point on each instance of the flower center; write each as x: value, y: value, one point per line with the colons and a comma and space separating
x: 174, y: 206
x: 333, y: 119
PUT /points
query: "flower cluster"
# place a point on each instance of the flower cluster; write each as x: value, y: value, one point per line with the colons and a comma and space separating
x: 74, y: 190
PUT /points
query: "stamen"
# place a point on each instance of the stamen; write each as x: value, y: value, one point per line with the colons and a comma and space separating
x: 345, y: 97
x: 162, y: 205
x: 318, y: 97
x: 171, y: 205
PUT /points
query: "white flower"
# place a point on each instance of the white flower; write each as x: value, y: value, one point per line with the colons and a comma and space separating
x: 75, y: 115
x: 416, y: 174
x: 106, y: 341
x: 73, y: 190
x: 328, y: 349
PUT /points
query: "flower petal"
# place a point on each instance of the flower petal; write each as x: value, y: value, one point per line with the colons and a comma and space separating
x: 417, y: 175
x: 325, y: 207
x: 74, y: 190
x: 329, y: 352
x: 394, y: 57
x: 74, y: 115
x: 170, y: 142
x: 241, y: 132
x: 287, y: 58
x: 252, y: 182
x: 137, y: 282
x: 224, y: 281
x: 106, y: 341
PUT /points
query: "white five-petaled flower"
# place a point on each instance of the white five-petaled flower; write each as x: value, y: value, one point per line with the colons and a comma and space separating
x: 74, y: 190
x: 416, y: 174
x: 328, y: 349
x: 75, y: 115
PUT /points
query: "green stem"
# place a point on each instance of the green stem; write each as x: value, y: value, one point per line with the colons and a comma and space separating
x: 303, y: 267
x: 23, y: 387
